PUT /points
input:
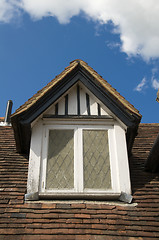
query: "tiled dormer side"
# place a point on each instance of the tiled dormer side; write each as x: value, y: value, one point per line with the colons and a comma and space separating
x: 78, y: 130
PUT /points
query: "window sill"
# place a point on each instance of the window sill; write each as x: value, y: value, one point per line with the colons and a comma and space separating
x: 114, y: 202
x: 72, y: 195
x: 98, y: 196
x: 124, y: 197
x: 121, y: 197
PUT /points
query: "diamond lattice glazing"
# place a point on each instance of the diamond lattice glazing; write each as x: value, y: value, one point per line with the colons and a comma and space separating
x: 96, y: 159
x: 60, y: 161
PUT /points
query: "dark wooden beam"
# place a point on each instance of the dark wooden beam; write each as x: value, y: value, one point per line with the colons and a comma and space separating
x: 51, y: 116
x: 88, y: 104
x: 56, y: 109
x: 66, y: 105
x: 99, y: 110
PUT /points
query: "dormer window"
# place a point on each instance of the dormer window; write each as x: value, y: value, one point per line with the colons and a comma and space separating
x: 78, y: 158
x: 77, y: 130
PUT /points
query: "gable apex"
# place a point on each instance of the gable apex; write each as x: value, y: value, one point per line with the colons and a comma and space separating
x: 75, y: 66
x: 77, y: 101
x: 77, y: 72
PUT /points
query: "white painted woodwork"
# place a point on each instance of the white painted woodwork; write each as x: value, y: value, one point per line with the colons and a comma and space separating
x: 78, y: 153
x: 122, y: 156
x: 35, y: 158
x: 113, y: 161
x: 79, y: 159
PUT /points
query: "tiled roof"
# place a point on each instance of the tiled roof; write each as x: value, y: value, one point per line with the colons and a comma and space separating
x: 78, y: 219
x: 67, y: 70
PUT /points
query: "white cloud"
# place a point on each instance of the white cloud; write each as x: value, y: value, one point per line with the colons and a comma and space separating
x: 154, y: 71
x: 154, y: 80
x: 135, y: 20
x: 155, y: 83
x: 141, y: 85
x: 7, y: 10
x: 113, y: 45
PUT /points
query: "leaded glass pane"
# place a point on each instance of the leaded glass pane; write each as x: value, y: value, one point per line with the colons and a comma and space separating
x: 60, y: 160
x: 96, y: 159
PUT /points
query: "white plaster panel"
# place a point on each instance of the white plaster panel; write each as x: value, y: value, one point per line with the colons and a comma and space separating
x: 72, y: 102
x: 61, y: 106
x: 93, y: 107
x: 83, y: 108
x: 34, y: 158
x: 103, y: 112
x: 51, y: 110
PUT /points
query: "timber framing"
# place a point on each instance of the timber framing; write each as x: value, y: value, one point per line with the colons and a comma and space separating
x: 22, y: 118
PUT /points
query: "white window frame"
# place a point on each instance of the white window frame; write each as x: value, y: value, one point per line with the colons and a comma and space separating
x: 78, y: 158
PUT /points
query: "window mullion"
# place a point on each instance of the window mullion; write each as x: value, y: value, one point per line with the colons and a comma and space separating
x: 79, y: 160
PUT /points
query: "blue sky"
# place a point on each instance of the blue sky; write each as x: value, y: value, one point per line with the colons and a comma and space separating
x: 38, y: 40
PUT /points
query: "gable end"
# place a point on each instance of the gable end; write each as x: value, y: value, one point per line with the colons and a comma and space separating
x: 22, y: 119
